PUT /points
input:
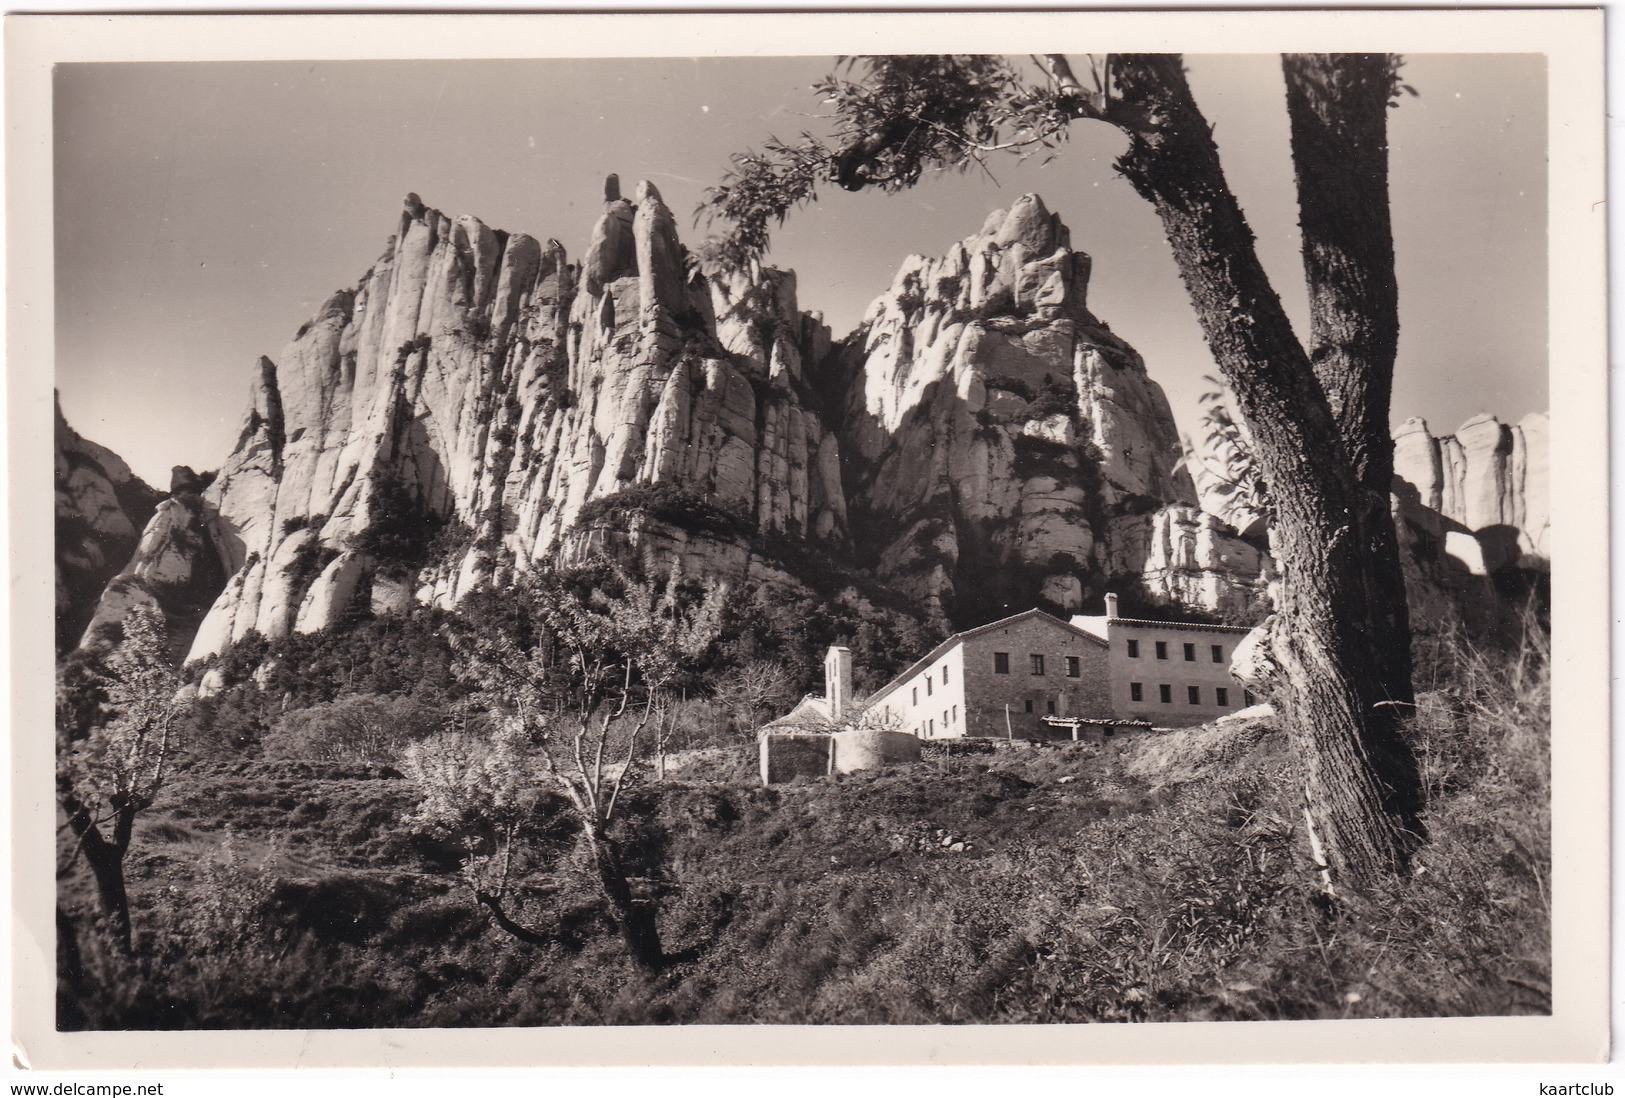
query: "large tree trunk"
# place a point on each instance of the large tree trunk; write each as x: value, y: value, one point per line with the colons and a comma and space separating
x: 637, y: 921
x: 106, y: 861
x: 1338, y: 107
x: 1333, y: 685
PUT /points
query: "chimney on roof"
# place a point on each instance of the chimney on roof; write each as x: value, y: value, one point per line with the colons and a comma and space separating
x: 838, y: 681
x: 1111, y: 605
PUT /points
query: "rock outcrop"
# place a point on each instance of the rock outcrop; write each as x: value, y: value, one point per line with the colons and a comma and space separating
x: 101, y: 508
x: 1183, y: 555
x: 994, y: 428
x: 178, y: 566
x: 478, y: 404
x: 1489, y: 482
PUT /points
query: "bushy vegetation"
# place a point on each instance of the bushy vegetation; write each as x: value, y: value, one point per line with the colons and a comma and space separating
x: 401, y: 530
x: 676, y: 504
x: 1156, y: 878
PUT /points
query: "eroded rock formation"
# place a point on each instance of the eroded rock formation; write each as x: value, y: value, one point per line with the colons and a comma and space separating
x: 1001, y: 443
x: 1488, y: 481
x: 479, y: 403
x: 101, y: 508
x: 178, y: 566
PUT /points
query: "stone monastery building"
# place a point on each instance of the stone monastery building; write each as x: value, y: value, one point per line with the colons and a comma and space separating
x: 1005, y: 678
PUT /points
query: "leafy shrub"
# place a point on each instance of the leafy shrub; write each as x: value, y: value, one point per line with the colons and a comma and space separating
x: 307, y: 564
x: 679, y: 505
x: 357, y: 728
x: 1057, y: 396
x: 303, y: 522
x: 1041, y: 457
x: 401, y: 528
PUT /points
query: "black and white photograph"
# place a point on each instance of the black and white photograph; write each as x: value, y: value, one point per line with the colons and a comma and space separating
x: 813, y: 539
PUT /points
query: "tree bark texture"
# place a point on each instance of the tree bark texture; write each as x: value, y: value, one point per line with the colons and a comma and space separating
x: 637, y: 921
x: 1338, y: 108
x: 106, y: 861
x: 1359, y: 774
x: 502, y: 919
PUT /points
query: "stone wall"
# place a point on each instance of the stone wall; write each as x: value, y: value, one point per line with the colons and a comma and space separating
x: 987, y: 692
x: 870, y: 749
x: 786, y: 756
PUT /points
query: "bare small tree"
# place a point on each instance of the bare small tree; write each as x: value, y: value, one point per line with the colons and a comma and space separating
x: 109, y: 776
x: 584, y: 688
x: 759, y: 687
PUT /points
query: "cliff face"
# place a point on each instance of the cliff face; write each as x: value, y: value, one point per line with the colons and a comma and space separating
x: 101, y: 508
x: 178, y: 566
x: 1488, y: 481
x: 479, y: 403
x: 1002, y: 444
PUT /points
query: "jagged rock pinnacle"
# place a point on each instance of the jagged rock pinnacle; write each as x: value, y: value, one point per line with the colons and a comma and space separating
x: 612, y: 188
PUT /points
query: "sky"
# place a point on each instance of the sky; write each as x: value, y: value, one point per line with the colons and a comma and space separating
x: 203, y: 211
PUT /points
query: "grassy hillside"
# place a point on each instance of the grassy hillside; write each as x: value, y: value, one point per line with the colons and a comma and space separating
x: 1163, y: 877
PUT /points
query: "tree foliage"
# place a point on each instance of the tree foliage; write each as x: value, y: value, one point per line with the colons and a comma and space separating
x: 108, y: 775
x: 1224, y: 466
x: 894, y: 119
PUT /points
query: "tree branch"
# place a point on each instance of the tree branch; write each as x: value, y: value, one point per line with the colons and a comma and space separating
x: 524, y: 934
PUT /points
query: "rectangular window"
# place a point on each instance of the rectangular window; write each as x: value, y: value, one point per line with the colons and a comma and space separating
x: 916, y: 696
x: 1218, y: 653
x: 945, y: 718
x: 1050, y: 704
x: 930, y: 728
x: 1074, y: 667
x: 1133, y: 649
x: 1038, y: 664
x: 1221, y: 695
x: 1190, y: 653
x: 1162, y: 650
x: 1248, y: 696
x: 928, y: 686
x: 1136, y: 692
x: 945, y: 674
x: 1029, y: 705
x: 1194, y: 693
x: 1166, y: 692
x: 955, y: 715
x: 1001, y: 663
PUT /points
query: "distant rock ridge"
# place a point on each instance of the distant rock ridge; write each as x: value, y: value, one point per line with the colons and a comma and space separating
x: 177, y: 567
x: 101, y: 508
x: 1489, y: 480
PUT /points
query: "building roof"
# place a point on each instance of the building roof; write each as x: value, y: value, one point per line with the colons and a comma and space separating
x: 912, y: 669
x: 1091, y: 622
x: 811, y: 712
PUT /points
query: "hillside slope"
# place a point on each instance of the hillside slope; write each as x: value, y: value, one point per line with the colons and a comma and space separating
x: 1161, y: 878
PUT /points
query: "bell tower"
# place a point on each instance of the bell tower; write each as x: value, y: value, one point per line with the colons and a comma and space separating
x: 838, y: 681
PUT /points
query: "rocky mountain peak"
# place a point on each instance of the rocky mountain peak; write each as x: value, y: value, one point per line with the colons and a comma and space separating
x: 479, y: 404
x: 994, y: 427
